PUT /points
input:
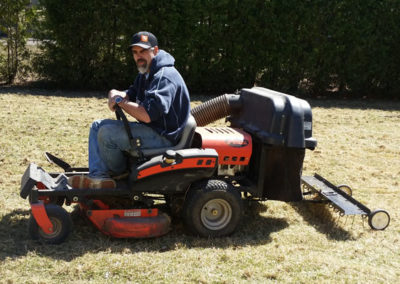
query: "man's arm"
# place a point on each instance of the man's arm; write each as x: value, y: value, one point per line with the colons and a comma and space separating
x: 131, y: 108
x: 135, y: 110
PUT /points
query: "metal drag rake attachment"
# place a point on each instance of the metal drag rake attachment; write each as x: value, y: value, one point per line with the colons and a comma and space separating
x: 339, y: 198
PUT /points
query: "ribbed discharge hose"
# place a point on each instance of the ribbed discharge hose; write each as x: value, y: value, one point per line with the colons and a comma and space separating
x: 215, y: 109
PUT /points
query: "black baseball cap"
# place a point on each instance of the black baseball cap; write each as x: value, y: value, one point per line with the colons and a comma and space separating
x: 144, y: 39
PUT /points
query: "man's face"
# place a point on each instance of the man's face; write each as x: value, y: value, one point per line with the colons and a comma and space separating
x: 143, y: 57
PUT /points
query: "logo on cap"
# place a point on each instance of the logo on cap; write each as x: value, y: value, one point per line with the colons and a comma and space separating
x: 144, y: 38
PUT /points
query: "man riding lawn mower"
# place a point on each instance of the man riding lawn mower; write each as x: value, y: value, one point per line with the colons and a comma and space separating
x: 139, y: 176
x: 204, y: 178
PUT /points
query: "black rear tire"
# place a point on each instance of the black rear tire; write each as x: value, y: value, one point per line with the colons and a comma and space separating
x: 62, y: 225
x: 212, y: 209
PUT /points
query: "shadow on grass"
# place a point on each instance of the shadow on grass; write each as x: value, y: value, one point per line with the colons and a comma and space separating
x: 15, y: 240
x: 323, y: 219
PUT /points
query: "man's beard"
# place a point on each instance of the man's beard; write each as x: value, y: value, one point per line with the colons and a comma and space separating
x: 143, y: 68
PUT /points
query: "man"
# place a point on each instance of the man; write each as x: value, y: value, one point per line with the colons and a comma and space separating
x: 158, y: 100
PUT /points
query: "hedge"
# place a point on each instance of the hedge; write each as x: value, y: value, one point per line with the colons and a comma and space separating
x: 309, y: 47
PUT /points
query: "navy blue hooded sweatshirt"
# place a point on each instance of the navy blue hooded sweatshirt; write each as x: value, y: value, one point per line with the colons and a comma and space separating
x: 164, y: 95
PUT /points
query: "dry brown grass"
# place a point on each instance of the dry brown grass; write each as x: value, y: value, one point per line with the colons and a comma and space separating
x: 286, y: 242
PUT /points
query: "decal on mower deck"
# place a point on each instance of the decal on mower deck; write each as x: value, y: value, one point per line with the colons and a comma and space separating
x: 98, y: 217
x: 132, y: 213
x: 199, y: 162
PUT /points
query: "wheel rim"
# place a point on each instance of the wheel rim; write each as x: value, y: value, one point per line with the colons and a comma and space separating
x: 346, y: 189
x: 57, y: 226
x: 216, y: 214
x: 379, y: 220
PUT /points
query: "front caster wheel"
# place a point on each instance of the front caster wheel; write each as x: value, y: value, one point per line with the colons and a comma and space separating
x: 213, y: 209
x: 379, y: 219
x: 62, y: 225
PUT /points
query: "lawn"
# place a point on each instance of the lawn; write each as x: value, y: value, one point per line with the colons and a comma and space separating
x: 358, y: 144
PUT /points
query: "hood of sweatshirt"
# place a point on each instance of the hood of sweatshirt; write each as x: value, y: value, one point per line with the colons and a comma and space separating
x: 162, y: 59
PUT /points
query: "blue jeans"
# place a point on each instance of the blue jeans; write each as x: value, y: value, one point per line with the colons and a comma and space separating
x: 107, y: 141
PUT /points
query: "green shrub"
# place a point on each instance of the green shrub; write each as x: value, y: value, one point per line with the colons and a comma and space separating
x: 15, y: 19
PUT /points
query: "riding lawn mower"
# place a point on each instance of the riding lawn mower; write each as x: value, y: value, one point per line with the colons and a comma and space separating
x: 205, y: 179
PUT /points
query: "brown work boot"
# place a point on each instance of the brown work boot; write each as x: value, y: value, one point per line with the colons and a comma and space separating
x: 82, y: 181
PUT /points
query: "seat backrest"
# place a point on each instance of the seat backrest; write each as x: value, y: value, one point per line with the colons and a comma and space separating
x: 184, y: 142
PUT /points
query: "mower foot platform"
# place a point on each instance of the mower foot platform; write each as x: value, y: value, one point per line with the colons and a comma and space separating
x: 34, y: 175
x: 37, y: 184
x: 346, y: 204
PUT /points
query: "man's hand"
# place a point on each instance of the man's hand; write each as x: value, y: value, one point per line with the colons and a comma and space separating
x: 133, y: 109
x: 112, y: 95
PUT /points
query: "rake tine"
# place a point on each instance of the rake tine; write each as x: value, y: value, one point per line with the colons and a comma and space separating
x: 352, y: 223
x: 327, y: 214
x: 345, y: 221
x: 363, y: 220
x: 341, y: 219
x: 336, y: 220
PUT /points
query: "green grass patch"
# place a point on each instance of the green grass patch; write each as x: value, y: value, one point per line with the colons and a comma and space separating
x: 358, y: 144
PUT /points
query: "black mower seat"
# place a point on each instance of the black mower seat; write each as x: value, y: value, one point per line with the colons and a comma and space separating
x: 184, y: 142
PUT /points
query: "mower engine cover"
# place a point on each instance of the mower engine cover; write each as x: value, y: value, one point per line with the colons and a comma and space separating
x: 234, y: 146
